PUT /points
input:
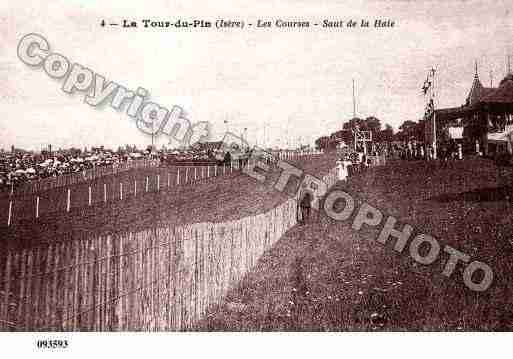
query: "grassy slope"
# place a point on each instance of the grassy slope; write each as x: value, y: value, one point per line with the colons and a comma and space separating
x: 325, y: 276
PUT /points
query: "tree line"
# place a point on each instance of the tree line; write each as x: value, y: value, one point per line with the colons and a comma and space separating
x: 408, y: 131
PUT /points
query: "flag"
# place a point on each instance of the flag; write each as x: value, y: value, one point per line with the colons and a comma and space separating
x: 430, y: 109
x: 426, y: 86
x: 427, y: 83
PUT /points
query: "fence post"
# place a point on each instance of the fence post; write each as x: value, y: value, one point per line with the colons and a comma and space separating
x: 178, y: 177
x: 147, y: 183
x: 158, y: 183
x: 37, y: 207
x: 135, y: 188
x: 168, y: 179
x: 195, y: 173
x: 69, y: 201
x: 208, y: 171
x: 215, y: 170
x: 89, y: 202
x: 104, y: 193
x: 120, y: 284
x: 10, y: 214
x: 5, y: 301
x: 121, y: 191
x: 186, y: 174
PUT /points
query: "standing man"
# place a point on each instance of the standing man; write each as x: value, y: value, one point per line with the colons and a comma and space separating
x: 305, y: 204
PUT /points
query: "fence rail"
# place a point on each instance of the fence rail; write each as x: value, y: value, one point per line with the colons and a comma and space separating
x: 157, y: 279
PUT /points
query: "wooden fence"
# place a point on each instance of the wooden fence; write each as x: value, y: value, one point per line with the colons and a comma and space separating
x: 292, y: 155
x: 157, y: 279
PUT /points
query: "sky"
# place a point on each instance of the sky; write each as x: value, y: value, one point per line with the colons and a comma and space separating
x: 285, y: 86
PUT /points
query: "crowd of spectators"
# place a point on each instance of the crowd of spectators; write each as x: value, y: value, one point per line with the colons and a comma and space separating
x: 17, y: 167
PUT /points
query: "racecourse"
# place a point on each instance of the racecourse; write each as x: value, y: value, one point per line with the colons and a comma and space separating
x: 216, y: 199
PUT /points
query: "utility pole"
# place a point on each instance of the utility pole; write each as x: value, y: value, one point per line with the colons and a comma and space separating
x: 266, y: 134
x: 354, y: 103
x: 242, y: 137
x: 354, y: 116
x: 264, y: 139
x: 152, y: 137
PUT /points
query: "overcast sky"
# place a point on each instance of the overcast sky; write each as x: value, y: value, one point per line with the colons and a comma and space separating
x: 297, y: 81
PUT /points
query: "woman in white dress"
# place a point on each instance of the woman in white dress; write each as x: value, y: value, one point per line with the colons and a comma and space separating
x: 342, y: 170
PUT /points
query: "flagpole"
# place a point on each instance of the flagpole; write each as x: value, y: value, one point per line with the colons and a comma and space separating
x: 354, y: 103
x: 354, y: 117
x: 434, y: 118
x: 434, y: 133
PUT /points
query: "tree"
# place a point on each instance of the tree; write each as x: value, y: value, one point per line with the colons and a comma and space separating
x: 345, y: 136
x: 411, y: 130
x: 354, y: 123
x: 373, y: 124
x: 385, y: 135
x: 322, y: 142
x: 406, y: 131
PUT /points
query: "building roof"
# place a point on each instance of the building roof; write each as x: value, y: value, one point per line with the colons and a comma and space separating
x: 501, y: 95
x: 478, y: 96
x: 206, y: 146
x: 478, y: 91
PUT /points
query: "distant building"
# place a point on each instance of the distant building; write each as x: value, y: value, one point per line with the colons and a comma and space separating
x: 208, y: 146
x: 486, y: 118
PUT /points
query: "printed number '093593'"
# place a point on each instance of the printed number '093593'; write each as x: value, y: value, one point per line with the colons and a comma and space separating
x: 52, y: 344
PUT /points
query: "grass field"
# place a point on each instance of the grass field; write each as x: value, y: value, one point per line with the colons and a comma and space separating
x: 217, y: 199
x: 326, y: 276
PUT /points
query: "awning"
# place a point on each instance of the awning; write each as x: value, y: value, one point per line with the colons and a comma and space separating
x: 444, y: 115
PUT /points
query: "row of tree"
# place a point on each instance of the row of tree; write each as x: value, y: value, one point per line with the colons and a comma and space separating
x: 408, y: 131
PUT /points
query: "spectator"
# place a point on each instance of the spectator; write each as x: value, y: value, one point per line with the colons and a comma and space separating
x: 305, y: 205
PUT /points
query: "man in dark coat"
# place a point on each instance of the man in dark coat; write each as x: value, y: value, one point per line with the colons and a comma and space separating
x: 305, y: 204
x: 227, y: 158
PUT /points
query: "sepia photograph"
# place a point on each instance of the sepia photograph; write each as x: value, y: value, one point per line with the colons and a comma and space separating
x: 259, y: 174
